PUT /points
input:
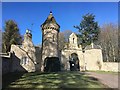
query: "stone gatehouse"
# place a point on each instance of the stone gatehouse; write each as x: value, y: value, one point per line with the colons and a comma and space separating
x: 30, y: 58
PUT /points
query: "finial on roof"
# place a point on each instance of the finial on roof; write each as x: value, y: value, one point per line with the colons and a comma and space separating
x: 27, y: 30
x: 50, y: 12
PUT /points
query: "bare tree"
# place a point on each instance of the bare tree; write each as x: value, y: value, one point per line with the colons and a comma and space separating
x: 109, y: 41
x: 67, y: 34
x: 63, y: 38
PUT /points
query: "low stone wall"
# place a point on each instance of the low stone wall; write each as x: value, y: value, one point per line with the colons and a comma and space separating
x: 10, y: 63
x: 111, y: 66
x: 5, y: 59
x: 6, y: 65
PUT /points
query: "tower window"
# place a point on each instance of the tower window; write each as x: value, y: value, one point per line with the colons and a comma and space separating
x: 53, y: 38
x: 73, y: 40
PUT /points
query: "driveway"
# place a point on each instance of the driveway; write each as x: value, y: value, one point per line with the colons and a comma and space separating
x: 111, y: 80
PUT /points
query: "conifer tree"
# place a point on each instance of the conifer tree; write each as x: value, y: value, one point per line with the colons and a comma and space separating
x: 88, y: 30
x: 11, y: 35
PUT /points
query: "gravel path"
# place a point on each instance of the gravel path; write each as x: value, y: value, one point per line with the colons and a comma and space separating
x: 111, y: 80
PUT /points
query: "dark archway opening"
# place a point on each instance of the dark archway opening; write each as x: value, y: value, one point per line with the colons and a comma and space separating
x: 74, y: 62
x: 52, y: 64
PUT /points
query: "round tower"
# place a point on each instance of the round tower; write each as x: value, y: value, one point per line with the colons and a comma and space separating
x: 50, y: 31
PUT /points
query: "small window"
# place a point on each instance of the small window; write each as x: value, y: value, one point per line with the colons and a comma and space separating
x: 73, y: 40
x: 24, y: 61
x: 53, y: 38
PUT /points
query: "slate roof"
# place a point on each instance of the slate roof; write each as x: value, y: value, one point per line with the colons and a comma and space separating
x: 94, y: 47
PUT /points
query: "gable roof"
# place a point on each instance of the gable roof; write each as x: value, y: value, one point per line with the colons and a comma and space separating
x: 73, y: 34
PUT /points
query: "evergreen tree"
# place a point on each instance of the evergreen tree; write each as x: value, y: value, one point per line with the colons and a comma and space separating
x: 88, y: 29
x: 10, y: 36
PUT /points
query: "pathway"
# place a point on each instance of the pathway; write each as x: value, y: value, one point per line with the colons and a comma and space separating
x: 111, y: 80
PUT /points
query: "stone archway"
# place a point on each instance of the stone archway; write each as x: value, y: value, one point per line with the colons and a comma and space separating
x: 74, y: 62
x: 52, y: 64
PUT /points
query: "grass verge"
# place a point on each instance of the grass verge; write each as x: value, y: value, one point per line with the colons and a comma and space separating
x: 105, y: 72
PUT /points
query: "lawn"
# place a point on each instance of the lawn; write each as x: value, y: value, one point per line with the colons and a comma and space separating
x: 50, y: 80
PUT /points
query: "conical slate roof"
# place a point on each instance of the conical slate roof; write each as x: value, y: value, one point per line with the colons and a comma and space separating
x: 50, y: 20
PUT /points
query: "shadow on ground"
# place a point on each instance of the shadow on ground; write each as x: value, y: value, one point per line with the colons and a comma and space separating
x: 8, y: 78
x: 52, y: 80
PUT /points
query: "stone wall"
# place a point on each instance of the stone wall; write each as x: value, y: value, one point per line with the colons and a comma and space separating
x: 111, y: 66
x: 93, y: 59
x: 90, y: 60
x: 6, y: 65
x: 6, y: 62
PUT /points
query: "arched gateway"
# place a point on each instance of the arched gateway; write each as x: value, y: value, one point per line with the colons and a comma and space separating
x: 74, y: 62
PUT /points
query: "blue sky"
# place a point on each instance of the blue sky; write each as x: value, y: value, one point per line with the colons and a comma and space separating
x: 66, y: 14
